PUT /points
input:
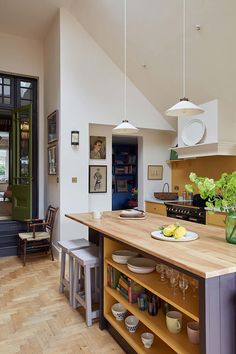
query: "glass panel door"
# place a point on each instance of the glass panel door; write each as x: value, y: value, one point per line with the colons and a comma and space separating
x: 22, y: 164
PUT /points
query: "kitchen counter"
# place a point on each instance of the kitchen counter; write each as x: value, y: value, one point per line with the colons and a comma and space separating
x: 207, y: 257
x: 210, y: 260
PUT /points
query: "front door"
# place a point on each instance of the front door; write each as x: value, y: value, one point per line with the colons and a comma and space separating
x: 22, y: 163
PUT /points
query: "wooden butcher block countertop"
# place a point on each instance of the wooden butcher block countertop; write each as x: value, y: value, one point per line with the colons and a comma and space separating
x: 207, y: 257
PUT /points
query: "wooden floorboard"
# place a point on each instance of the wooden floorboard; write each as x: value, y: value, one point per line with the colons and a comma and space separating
x: 35, y: 318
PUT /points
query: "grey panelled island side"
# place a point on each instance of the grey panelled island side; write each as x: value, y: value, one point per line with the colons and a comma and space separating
x: 209, y: 259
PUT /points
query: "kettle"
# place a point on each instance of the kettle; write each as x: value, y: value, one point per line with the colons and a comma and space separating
x: 198, y: 201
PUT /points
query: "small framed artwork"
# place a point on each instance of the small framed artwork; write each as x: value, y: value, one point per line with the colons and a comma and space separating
x: 97, y: 179
x: 98, y: 147
x: 155, y: 172
x: 121, y: 185
x: 52, y: 160
x: 52, y: 127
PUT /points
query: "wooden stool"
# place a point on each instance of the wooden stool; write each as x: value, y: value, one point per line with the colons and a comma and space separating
x: 66, y: 247
x: 89, y: 260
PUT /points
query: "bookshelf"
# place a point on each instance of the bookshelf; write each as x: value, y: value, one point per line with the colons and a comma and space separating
x: 124, y: 175
x: 164, y: 342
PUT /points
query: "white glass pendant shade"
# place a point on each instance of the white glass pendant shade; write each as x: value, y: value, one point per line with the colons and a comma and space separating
x: 184, y: 108
x: 125, y: 128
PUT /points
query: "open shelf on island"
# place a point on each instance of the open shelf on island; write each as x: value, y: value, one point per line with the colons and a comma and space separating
x: 157, y: 324
x: 134, y: 339
x: 152, y: 283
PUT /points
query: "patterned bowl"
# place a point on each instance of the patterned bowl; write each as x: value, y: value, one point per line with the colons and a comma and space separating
x: 119, y: 311
x: 131, y: 323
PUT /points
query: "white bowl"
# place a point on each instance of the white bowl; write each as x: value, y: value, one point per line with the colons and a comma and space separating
x: 118, y: 311
x: 131, y: 323
x: 142, y: 262
x: 122, y: 256
x: 147, y: 339
x: 140, y: 270
x: 141, y: 265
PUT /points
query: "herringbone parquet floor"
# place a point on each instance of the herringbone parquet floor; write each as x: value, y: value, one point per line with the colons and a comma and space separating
x: 35, y: 318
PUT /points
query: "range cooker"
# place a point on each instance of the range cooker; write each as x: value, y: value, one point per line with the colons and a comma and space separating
x: 186, y: 211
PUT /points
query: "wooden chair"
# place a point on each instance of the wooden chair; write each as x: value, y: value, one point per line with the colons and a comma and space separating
x: 38, y: 235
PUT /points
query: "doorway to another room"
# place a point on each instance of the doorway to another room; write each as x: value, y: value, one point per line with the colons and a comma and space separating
x: 18, y: 155
x: 124, y: 172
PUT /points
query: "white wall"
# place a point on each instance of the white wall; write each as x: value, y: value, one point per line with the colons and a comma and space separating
x: 155, y: 152
x: 153, y: 148
x: 52, y: 102
x: 23, y: 56
x: 92, y: 92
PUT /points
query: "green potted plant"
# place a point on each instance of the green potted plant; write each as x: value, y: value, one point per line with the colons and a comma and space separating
x: 220, y: 195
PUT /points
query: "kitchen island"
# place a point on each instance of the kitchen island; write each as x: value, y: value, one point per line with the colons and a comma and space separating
x: 210, y: 260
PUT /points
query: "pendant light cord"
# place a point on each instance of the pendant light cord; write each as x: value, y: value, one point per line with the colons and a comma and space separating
x: 184, y: 49
x: 125, y: 53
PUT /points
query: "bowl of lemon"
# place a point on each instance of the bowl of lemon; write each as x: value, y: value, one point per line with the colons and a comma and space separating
x: 174, y: 232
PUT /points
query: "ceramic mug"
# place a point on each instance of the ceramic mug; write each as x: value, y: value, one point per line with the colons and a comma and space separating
x: 193, y: 332
x: 174, y: 321
x: 97, y: 214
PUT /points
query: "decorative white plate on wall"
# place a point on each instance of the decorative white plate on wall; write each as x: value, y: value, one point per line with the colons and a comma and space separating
x: 193, y: 132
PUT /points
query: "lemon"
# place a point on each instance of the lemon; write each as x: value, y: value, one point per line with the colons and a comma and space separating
x: 169, y: 230
x: 179, y: 232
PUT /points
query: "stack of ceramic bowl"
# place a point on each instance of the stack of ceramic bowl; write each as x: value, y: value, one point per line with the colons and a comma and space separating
x: 141, y: 265
x: 131, y: 323
x: 119, y: 311
x: 147, y: 339
x: 122, y: 256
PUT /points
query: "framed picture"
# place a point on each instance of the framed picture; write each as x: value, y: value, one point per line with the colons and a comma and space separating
x: 121, y: 185
x: 97, y: 179
x: 98, y: 147
x: 52, y: 127
x: 155, y: 172
x: 52, y: 160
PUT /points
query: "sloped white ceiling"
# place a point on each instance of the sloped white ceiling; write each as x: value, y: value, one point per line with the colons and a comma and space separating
x: 154, y: 39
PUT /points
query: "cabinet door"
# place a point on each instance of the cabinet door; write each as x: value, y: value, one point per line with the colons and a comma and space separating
x: 156, y: 208
x: 217, y: 219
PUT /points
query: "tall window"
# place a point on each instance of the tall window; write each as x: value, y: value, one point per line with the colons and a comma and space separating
x: 6, y: 91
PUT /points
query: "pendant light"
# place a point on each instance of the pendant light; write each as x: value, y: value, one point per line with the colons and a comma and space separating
x: 125, y: 128
x: 184, y: 107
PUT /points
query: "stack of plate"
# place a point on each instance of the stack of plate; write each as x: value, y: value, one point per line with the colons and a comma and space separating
x: 122, y: 256
x: 141, y: 265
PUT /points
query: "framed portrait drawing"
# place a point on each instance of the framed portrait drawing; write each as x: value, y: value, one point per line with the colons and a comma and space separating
x: 98, y: 147
x: 155, y: 172
x: 52, y: 127
x: 52, y: 160
x: 97, y: 179
x: 121, y: 185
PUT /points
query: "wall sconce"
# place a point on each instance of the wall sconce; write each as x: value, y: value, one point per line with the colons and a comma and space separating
x: 75, y: 138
